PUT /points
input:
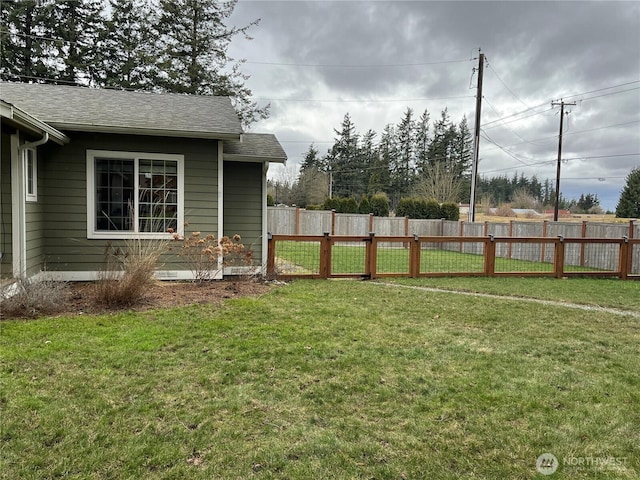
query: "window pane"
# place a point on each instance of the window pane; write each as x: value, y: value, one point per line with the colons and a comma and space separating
x: 158, y: 206
x: 114, y: 193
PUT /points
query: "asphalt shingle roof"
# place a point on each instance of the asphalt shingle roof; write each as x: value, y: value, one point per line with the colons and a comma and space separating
x: 256, y: 145
x: 90, y: 109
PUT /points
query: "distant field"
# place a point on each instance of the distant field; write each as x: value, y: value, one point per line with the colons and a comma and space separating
x: 481, y: 217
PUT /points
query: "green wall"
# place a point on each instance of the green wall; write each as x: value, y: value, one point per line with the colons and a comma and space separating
x: 6, y: 267
x: 243, y: 204
x: 63, y: 194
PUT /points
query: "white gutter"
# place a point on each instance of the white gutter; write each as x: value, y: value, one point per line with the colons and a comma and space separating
x: 37, y: 143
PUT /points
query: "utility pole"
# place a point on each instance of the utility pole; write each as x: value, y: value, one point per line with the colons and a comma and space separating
x: 476, y: 141
x: 557, y: 203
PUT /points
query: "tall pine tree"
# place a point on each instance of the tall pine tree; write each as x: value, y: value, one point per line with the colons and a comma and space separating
x: 629, y: 202
x: 128, y: 46
x: 23, y: 55
x: 193, y: 44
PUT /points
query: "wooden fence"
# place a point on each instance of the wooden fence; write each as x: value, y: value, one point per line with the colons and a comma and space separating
x: 373, y: 256
x: 298, y: 221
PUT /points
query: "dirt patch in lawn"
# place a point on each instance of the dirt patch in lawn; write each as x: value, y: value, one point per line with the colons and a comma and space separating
x: 80, y: 297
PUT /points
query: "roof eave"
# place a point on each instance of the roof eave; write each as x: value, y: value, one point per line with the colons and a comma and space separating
x: 23, y: 120
x: 253, y: 158
x: 76, y: 127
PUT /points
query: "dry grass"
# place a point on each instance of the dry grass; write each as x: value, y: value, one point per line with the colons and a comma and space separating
x: 128, y: 271
x: 482, y: 217
x: 34, y: 298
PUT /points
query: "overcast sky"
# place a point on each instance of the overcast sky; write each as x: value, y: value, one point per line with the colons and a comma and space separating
x: 315, y: 61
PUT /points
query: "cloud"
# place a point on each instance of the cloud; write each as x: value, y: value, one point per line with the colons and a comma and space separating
x: 316, y: 61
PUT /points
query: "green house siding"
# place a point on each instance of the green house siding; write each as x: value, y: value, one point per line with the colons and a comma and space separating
x: 243, y: 204
x: 64, y: 194
x: 5, y: 214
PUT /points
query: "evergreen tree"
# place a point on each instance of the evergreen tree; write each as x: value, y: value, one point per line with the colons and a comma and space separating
x: 193, y: 43
x: 422, y: 142
x: 313, y: 182
x: 401, y: 173
x: 364, y: 206
x: 344, y: 160
x: 629, y: 202
x: 128, y: 46
x: 380, y: 176
x: 23, y: 57
x: 76, y: 27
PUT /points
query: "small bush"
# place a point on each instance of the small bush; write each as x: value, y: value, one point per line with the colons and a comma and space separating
x: 505, y: 210
x: 406, y: 208
x: 380, y: 205
x: 331, y: 204
x: 201, y: 254
x: 348, y: 205
x: 432, y: 210
x: 35, y: 298
x: 128, y: 271
x: 364, y: 207
x: 450, y: 211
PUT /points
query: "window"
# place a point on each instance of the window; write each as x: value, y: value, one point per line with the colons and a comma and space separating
x: 134, y: 194
x: 30, y: 175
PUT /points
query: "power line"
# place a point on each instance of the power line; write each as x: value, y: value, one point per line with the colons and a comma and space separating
x: 344, y: 65
x: 506, y: 86
x: 566, y: 96
x: 382, y: 100
x: 576, y: 132
x: 506, y: 123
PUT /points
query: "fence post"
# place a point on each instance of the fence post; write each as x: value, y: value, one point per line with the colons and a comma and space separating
x: 297, y: 220
x: 558, y: 262
x: 325, y: 256
x: 370, y: 222
x: 624, y: 258
x: 414, y: 257
x: 333, y: 222
x: 509, y: 247
x: 544, y: 244
x: 462, y: 235
x: 373, y: 256
x: 489, y: 256
x: 271, y: 255
x: 583, y: 234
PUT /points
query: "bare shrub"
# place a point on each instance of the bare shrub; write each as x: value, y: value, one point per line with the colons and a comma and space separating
x: 206, y: 255
x: 521, y: 198
x: 128, y: 271
x: 33, y: 298
x: 486, y: 201
x: 505, y: 210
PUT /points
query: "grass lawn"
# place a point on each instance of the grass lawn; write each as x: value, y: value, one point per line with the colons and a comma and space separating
x: 327, y: 379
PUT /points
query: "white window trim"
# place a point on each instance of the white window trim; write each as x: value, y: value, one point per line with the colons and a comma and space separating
x: 136, y: 156
x: 33, y: 196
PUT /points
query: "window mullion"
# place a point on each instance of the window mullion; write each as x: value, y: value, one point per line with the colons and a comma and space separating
x: 136, y: 194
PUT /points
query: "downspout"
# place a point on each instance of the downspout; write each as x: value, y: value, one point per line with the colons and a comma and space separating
x: 19, y: 227
x: 36, y: 143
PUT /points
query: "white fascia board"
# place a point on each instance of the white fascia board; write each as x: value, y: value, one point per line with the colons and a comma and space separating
x: 27, y: 122
x: 154, y: 132
x: 252, y: 158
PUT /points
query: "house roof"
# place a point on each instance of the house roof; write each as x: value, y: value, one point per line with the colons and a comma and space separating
x: 20, y: 119
x: 117, y: 111
x: 255, y: 147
